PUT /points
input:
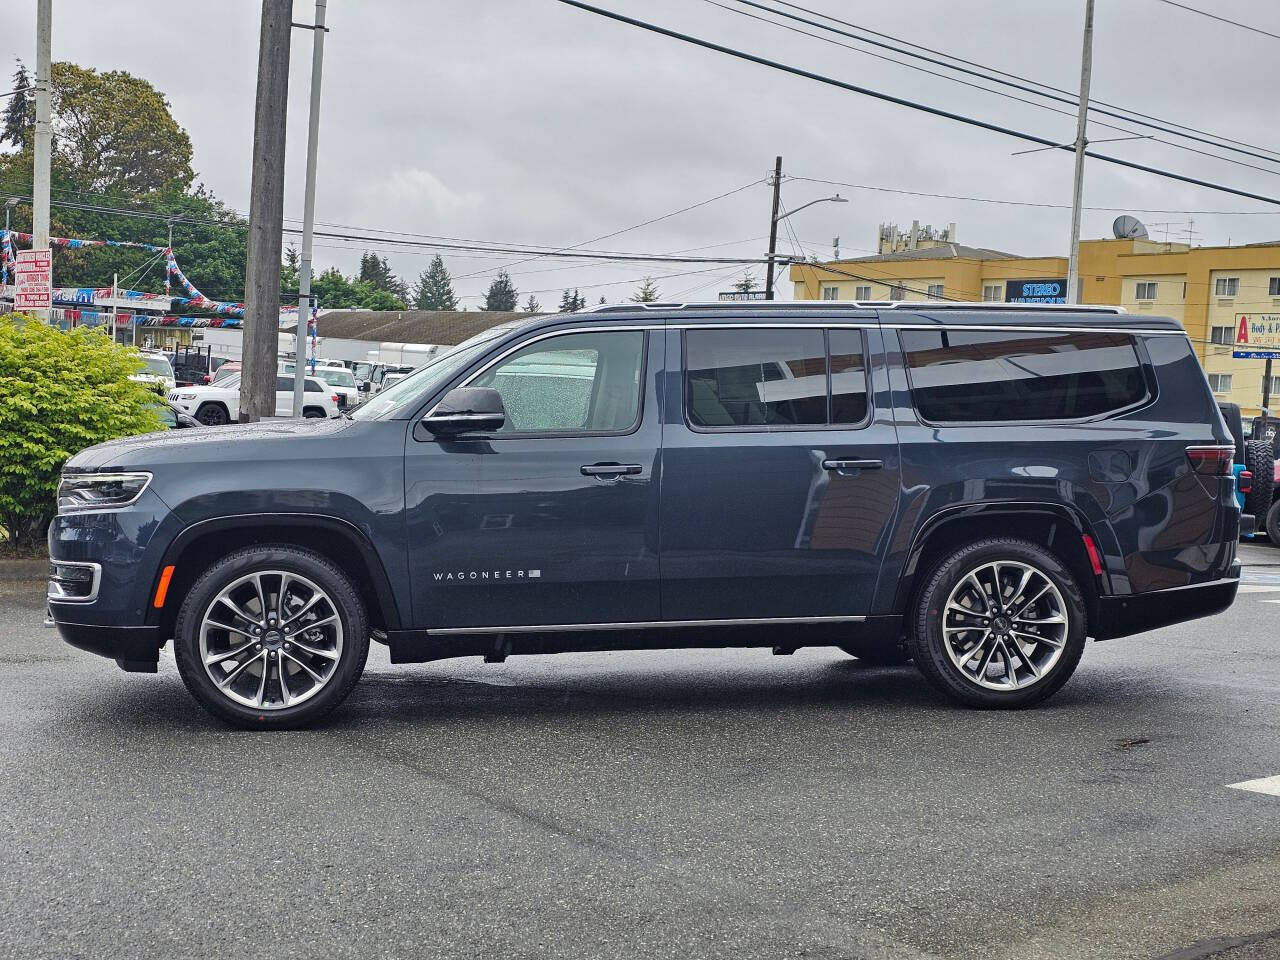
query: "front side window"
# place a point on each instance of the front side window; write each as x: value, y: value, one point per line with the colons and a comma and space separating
x: 963, y: 376
x: 802, y: 377
x: 574, y: 383
x: 1226, y: 286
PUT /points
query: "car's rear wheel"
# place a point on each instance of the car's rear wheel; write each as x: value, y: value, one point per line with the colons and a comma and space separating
x: 999, y: 623
x: 271, y: 636
x: 313, y: 413
x: 1273, y: 524
x: 212, y: 414
x: 1259, y: 461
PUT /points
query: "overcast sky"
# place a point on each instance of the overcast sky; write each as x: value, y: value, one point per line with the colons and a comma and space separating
x: 530, y: 121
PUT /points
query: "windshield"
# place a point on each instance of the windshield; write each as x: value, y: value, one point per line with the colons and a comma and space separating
x: 157, y: 366
x: 396, y: 400
x: 362, y: 370
x: 336, y: 377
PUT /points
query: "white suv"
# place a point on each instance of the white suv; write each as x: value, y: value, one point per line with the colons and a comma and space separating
x: 214, y: 405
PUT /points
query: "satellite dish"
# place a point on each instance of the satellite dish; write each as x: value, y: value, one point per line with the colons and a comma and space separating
x: 1128, y: 228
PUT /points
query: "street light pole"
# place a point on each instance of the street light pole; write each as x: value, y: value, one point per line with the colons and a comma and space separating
x: 308, y: 213
x: 1082, y: 122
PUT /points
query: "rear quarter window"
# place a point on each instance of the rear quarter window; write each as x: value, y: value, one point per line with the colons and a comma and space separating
x: 968, y: 376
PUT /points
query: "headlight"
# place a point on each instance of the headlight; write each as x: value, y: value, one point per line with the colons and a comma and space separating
x: 186, y: 396
x: 100, y: 491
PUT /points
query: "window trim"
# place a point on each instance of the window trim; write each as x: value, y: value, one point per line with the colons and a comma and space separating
x: 779, y: 427
x: 1144, y: 366
x: 470, y: 376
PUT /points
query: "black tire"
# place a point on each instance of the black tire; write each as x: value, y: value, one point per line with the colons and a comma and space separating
x: 314, y: 413
x: 1259, y: 462
x: 925, y: 637
x: 212, y: 414
x: 1273, y: 524
x: 877, y: 653
x: 346, y: 604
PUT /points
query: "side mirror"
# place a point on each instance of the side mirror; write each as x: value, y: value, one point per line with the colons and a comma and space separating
x: 364, y: 386
x: 185, y: 422
x: 465, y: 409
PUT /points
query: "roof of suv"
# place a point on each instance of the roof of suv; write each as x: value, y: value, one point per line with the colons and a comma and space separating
x: 891, y: 313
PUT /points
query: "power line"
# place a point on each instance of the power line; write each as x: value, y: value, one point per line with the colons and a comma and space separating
x: 1030, y: 203
x: 1214, y: 16
x: 1068, y: 97
x: 1073, y: 102
x: 910, y: 104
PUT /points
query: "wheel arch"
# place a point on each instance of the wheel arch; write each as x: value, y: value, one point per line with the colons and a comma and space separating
x: 1054, y: 526
x: 340, y: 541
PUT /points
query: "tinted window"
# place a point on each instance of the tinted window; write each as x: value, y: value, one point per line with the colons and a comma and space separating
x: 848, y: 377
x: 965, y: 376
x: 744, y: 377
x: 285, y: 385
x: 576, y: 383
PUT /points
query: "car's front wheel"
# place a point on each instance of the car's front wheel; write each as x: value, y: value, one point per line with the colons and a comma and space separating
x: 271, y: 636
x: 999, y: 623
x: 213, y: 414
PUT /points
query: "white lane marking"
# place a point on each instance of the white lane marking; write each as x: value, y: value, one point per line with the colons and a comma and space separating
x: 1269, y: 785
x: 1258, y: 588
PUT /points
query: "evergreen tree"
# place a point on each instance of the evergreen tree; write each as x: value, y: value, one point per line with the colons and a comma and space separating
x: 532, y: 306
x: 434, y: 289
x: 647, y: 292
x: 502, y: 293
x: 602, y: 300
x: 20, y: 114
x: 746, y: 284
x: 375, y: 271
x: 572, y: 302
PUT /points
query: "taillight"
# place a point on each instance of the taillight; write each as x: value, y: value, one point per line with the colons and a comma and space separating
x: 1244, y: 482
x: 335, y: 399
x: 1211, y: 461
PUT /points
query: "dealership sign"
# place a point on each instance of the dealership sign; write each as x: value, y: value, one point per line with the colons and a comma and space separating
x: 33, y: 280
x: 1053, y: 290
x: 1257, y: 336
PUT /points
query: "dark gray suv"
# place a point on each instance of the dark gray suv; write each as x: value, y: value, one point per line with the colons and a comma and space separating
x: 977, y: 488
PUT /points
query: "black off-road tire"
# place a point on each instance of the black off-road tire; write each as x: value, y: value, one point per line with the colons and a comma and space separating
x: 925, y: 637
x: 1273, y: 524
x: 1259, y: 462
x: 283, y: 557
x: 212, y: 414
x: 877, y: 653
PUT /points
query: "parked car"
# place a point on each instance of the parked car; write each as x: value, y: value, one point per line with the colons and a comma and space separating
x: 978, y: 488
x: 156, y: 373
x: 219, y: 403
x: 336, y: 376
x: 226, y: 370
x: 390, y: 380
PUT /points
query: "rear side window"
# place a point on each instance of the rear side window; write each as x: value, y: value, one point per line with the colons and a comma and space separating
x: 761, y: 377
x: 963, y: 376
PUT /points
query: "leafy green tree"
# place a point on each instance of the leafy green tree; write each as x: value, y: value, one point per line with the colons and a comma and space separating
x: 20, y: 114
x: 290, y: 271
x: 434, y: 289
x: 647, y: 292
x: 374, y: 299
x: 59, y: 393
x: 502, y: 293
x: 532, y: 305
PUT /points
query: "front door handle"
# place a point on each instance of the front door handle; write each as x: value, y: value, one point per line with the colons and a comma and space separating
x: 852, y: 464
x: 611, y: 470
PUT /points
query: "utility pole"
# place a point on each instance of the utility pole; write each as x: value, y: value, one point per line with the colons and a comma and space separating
x: 115, y: 299
x: 773, y: 228
x: 1082, y: 122
x: 44, y: 129
x: 308, y: 213
x: 266, y: 216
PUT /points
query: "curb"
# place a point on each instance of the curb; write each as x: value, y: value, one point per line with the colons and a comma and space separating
x: 24, y: 570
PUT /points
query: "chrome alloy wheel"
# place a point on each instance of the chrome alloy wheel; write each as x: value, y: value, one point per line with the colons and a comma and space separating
x: 271, y: 640
x: 1005, y: 625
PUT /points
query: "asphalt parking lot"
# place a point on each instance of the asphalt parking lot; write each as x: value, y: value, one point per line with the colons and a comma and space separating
x: 670, y: 804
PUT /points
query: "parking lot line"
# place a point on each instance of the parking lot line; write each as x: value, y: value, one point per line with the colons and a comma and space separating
x: 1269, y: 785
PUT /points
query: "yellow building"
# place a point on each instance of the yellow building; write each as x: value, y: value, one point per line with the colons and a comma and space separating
x: 1207, y: 289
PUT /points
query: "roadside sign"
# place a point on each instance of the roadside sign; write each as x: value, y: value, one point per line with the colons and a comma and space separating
x: 1257, y: 336
x: 33, y: 280
x: 742, y: 295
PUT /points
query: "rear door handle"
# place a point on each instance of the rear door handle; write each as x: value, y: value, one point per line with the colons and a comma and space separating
x: 852, y: 464
x: 609, y: 470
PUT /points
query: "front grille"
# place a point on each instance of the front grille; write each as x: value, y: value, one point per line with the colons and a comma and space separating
x: 73, y: 582
x: 173, y: 394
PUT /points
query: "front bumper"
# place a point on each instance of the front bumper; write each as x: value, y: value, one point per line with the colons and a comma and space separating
x: 1122, y: 616
x: 135, y: 649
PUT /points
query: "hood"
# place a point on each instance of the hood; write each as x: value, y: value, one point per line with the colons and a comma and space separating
x: 210, y: 444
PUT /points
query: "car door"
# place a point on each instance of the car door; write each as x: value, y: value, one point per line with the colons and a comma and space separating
x: 780, y: 472
x: 551, y: 520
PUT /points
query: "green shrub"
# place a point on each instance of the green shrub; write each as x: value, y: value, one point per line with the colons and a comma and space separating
x: 59, y: 393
